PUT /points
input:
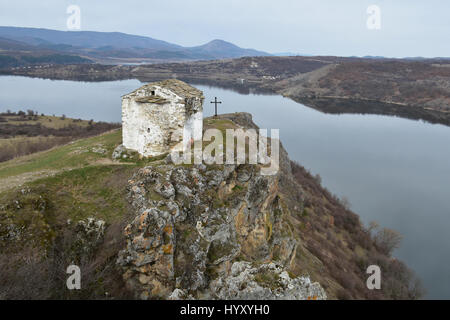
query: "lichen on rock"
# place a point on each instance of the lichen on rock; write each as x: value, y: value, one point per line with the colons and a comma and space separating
x: 265, y: 282
x: 199, y: 230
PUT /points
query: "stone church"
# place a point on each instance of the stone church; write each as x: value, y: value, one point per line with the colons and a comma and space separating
x: 153, y: 113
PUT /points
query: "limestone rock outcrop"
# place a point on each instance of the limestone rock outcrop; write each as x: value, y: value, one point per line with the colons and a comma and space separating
x: 265, y: 282
x: 211, y: 232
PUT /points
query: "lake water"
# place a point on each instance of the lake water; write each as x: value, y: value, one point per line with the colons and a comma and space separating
x: 394, y: 171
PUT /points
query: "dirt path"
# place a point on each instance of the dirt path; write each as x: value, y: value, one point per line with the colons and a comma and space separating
x: 19, y: 180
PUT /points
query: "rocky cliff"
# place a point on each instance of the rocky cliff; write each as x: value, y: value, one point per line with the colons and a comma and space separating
x: 218, y: 232
x: 149, y: 229
x: 229, y: 232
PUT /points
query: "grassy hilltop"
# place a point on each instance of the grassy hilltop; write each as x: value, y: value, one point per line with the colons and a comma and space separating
x: 71, y: 204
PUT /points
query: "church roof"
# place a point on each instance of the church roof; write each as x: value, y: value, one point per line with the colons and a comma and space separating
x: 178, y: 87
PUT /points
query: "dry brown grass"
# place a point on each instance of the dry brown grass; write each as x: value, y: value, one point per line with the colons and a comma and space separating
x: 23, y: 134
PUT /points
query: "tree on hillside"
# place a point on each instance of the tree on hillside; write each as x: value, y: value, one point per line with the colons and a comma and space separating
x: 387, y: 240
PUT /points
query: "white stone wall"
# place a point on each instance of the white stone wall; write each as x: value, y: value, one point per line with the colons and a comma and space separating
x: 193, y: 127
x: 148, y: 127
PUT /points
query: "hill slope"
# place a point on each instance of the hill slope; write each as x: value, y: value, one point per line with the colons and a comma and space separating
x: 15, y: 53
x: 83, y: 39
x: 275, y: 232
x: 222, y: 49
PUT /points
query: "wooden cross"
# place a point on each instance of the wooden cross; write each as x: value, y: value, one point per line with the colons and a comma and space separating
x: 216, y: 102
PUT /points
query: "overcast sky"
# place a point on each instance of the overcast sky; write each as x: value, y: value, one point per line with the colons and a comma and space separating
x: 323, y: 27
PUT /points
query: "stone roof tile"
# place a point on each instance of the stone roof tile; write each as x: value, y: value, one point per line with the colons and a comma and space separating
x: 178, y: 87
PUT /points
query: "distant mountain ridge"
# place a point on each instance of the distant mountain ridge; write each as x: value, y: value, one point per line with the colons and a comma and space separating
x: 217, y: 47
x: 86, y: 39
x: 116, y: 45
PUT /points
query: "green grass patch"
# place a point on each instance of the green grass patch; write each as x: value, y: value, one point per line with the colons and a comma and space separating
x: 94, y: 191
x: 41, y: 208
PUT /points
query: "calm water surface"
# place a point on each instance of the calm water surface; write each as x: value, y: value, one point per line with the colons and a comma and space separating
x: 394, y: 171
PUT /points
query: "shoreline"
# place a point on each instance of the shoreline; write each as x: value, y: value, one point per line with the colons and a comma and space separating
x: 325, y: 104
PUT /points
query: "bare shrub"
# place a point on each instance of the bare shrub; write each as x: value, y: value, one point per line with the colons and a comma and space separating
x: 387, y: 240
x: 345, y: 248
x: 343, y: 295
x: 29, y: 273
